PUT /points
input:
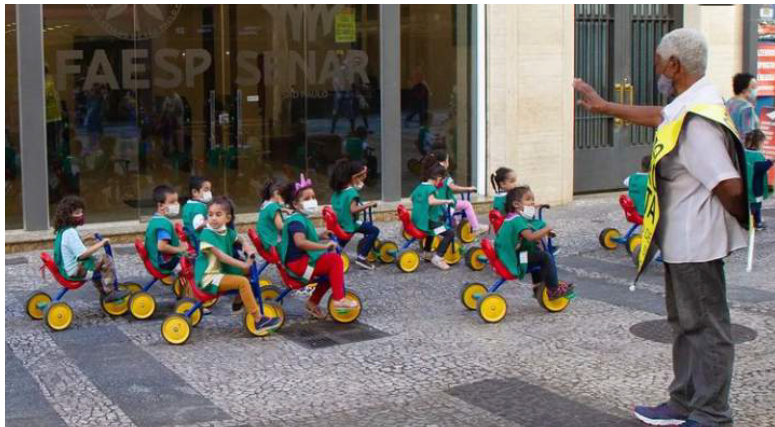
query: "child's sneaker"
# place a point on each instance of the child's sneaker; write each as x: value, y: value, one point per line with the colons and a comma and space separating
x: 236, y: 304
x: 563, y: 289
x: 481, y: 230
x: 439, y: 263
x: 427, y: 256
x: 266, y: 324
x: 344, y: 305
x: 114, y: 295
x: 206, y: 311
x: 363, y: 263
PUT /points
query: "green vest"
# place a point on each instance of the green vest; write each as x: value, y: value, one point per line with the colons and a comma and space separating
x: 509, y: 241
x: 751, y: 158
x: 499, y: 203
x: 60, y: 263
x: 422, y: 212
x: 191, y: 209
x: 224, y: 243
x: 341, y: 202
x: 310, y: 233
x: 159, y: 222
x: 636, y: 189
x: 445, y: 192
x: 265, y: 224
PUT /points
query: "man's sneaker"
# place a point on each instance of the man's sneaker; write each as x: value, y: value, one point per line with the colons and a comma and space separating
x: 267, y: 324
x: 363, y: 263
x: 760, y: 226
x: 661, y: 415
x: 439, y: 262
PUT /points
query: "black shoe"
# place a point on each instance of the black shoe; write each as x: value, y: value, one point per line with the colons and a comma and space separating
x: 236, y: 305
x: 267, y: 324
x: 116, y: 295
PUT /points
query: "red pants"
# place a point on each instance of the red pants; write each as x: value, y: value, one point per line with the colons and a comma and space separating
x: 329, y: 265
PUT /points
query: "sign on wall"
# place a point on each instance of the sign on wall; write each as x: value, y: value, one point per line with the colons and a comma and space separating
x: 767, y: 123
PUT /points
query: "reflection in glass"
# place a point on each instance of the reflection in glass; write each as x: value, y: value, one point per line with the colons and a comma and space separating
x: 436, y: 88
x: 13, y: 172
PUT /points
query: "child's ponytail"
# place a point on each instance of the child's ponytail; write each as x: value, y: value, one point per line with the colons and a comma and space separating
x: 492, y: 181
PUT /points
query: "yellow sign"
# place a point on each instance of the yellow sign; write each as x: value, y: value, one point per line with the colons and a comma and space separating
x: 344, y: 26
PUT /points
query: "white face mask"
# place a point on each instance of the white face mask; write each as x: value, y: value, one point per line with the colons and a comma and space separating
x: 665, y: 85
x: 529, y: 212
x: 309, y: 207
x: 173, y: 209
x: 207, y: 196
x: 220, y: 229
x: 358, y: 186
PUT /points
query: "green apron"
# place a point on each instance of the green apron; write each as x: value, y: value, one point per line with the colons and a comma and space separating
x: 265, y: 224
x: 445, y: 192
x: 225, y: 243
x: 499, y: 203
x: 636, y: 189
x: 341, y: 202
x: 509, y: 241
x: 87, y: 263
x: 159, y: 222
x: 191, y: 209
x: 423, y: 214
x: 751, y: 158
x: 310, y: 233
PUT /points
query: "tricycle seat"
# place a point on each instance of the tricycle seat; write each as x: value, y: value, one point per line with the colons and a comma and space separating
x: 406, y: 219
x: 143, y: 253
x: 630, y: 212
x: 269, y: 256
x: 496, y: 219
x: 187, y: 272
x: 332, y: 225
x: 495, y: 262
x: 48, y: 263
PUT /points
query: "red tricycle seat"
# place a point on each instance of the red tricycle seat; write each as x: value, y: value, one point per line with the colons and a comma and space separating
x: 495, y: 262
x: 183, y: 236
x: 143, y: 253
x: 269, y: 256
x: 187, y: 272
x: 630, y: 212
x: 406, y: 218
x: 48, y: 263
x: 332, y: 224
x: 496, y: 219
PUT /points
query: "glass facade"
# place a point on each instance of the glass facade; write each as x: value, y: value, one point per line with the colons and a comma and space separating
x: 13, y: 176
x: 140, y: 95
x: 436, y: 98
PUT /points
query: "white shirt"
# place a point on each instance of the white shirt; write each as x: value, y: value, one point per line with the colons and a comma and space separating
x: 693, y: 225
x: 72, y: 247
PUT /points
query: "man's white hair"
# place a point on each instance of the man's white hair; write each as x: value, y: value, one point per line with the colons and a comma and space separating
x: 688, y: 46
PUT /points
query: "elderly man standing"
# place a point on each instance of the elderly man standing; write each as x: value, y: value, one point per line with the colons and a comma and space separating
x: 696, y: 214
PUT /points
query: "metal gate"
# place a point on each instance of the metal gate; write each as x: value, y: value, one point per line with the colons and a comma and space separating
x: 615, y: 48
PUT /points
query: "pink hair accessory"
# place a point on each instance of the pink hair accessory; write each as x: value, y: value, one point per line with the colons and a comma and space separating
x: 303, y: 183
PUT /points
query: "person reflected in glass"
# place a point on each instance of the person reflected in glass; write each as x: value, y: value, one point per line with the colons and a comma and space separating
x: 419, y: 96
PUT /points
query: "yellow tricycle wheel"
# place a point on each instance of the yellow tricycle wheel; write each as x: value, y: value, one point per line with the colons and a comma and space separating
x: 345, y: 262
x: 633, y: 242
x: 37, y: 303
x: 552, y: 306
x: 454, y: 254
x: 471, y: 294
x: 271, y: 309
x: 264, y: 282
x: 405, y: 234
x: 464, y: 232
x: 142, y: 305
x: 115, y: 308
x: 186, y: 304
x: 210, y: 303
x: 270, y: 293
x: 607, y: 238
x: 132, y: 287
x: 492, y: 308
x: 476, y: 259
x: 169, y: 280
x: 348, y: 316
x: 176, y: 329
x: 387, y: 252
x: 409, y: 261
x: 179, y: 287
x: 59, y: 316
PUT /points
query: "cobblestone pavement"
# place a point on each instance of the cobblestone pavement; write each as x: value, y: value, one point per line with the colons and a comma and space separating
x: 429, y: 362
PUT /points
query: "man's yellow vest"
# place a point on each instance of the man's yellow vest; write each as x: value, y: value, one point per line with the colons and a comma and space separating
x: 665, y: 141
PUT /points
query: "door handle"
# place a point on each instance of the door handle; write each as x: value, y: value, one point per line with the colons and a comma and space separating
x: 619, y: 88
x: 629, y: 89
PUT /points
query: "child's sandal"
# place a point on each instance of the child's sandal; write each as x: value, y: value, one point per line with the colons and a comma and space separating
x: 316, y: 312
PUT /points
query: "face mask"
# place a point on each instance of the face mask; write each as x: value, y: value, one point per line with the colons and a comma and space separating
x: 529, y: 211
x: 79, y: 219
x: 752, y: 96
x: 173, y: 209
x: 207, y: 196
x: 665, y: 85
x: 309, y: 207
x: 220, y: 229
x: 358, y: 186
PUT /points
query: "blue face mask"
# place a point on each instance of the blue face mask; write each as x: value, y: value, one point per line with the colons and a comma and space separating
x: 752, y: 96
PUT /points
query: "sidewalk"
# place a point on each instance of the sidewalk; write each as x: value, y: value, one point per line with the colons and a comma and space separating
x: 417, y: 357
